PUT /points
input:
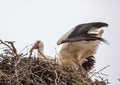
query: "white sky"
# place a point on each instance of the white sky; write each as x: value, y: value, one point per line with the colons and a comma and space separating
x: 26, y: 21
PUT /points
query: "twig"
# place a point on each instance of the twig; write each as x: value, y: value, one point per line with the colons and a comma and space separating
x: 13, y: 47
x: 5, y: 44
x: 33, y: 76
x: 42, y: 55
x: 30, y: 54
x: 57, y: 78
x: 99, y: 71
x: 25, y: 48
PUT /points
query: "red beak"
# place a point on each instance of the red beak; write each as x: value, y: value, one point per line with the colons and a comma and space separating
x: 35, y: 46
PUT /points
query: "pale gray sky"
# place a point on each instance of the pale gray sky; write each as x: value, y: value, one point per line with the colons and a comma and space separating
x: 26, y: 21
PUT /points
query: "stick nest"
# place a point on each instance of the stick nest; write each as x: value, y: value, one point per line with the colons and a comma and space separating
x: 16, y: 69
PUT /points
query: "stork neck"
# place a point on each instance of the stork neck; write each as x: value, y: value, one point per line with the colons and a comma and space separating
x: 40, y: 51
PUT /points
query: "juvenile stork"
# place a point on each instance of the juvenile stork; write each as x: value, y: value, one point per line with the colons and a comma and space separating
x: 80, y: 43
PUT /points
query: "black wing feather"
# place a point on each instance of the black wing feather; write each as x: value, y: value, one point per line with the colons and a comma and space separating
x: 85, y: 38
x: 89, y: 64
x: 84, y: 28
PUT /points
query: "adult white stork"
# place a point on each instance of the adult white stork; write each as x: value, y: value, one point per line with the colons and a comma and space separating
x: 40, y: 47
x: 80, y: 42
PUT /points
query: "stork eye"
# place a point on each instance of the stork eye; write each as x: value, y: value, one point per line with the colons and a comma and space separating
x: 38, y: 41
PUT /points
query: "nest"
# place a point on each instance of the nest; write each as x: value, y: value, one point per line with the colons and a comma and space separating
x: 16, y: 69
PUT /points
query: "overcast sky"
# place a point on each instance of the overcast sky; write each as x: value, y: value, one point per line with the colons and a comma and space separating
x: 26, y: 21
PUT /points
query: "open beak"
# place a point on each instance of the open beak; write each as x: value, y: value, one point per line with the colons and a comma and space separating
x: 35, y: 46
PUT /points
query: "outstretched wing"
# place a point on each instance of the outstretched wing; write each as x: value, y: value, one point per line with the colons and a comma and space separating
x: 84, y: 28
x: 80, y: 32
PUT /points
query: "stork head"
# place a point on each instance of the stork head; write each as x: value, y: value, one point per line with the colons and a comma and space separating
x: 38, y: 45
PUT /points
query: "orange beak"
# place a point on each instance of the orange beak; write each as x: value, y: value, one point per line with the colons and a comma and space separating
x: 35, y: 46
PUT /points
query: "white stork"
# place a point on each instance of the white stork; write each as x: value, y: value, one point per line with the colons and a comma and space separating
x: 40, y: 47
x: 80, y: 43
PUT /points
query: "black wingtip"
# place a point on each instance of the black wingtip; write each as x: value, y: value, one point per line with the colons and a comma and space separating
x: 99, y: 24
x: 87, y: 65
x: 104, y: 40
